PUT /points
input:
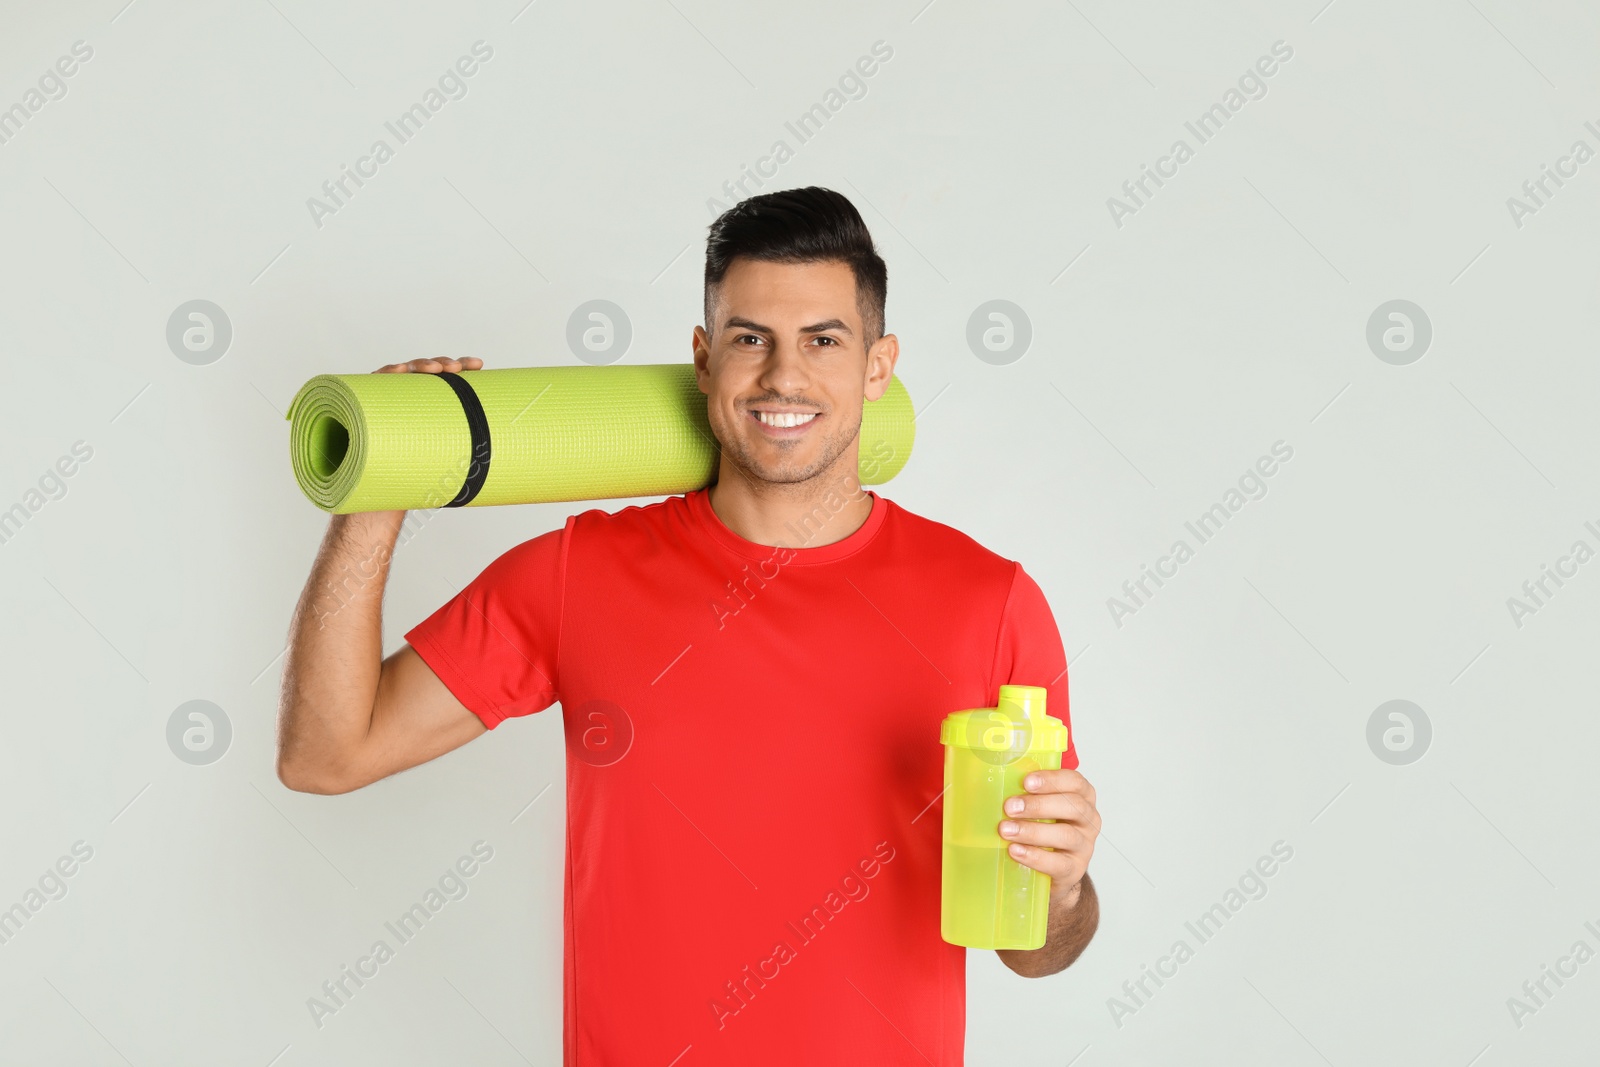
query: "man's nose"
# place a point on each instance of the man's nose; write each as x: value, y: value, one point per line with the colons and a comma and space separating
x: 786, y: 372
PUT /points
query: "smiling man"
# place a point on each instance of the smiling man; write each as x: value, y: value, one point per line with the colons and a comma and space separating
x: 752, y: 677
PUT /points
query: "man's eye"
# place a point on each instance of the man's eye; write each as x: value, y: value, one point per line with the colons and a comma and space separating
x: 749, y: 337
x: 830, y: 340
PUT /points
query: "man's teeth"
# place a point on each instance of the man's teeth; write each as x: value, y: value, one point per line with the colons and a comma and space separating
x: 782, y: 419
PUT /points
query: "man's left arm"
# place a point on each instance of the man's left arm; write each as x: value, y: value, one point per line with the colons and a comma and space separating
x: 1060, y: 849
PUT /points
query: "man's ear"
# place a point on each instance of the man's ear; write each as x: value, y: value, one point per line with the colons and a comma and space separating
x: 702, y: 355
x: 881, y: 359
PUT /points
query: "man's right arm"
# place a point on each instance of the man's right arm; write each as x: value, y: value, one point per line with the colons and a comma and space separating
x: 347, y: 716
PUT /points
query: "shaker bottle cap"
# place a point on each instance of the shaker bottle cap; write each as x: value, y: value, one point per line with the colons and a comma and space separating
x: 1000, y: 730
x: 1029, y: 700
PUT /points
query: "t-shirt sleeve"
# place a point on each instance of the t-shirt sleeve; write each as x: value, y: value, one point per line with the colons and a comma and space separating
x: 1029, y: 652
x: 495, y: 644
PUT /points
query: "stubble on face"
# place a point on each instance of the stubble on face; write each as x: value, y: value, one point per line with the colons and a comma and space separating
x: 785, y: 469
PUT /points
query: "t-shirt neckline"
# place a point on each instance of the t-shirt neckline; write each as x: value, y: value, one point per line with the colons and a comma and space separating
x: 700, y: 504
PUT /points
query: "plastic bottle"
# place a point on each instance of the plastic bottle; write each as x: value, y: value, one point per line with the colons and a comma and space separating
x: 988, y: 899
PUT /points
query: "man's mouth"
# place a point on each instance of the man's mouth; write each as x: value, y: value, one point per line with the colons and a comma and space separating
x: 785, y: 423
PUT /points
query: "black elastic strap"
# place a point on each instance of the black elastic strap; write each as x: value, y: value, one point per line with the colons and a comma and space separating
x: 478, y: 426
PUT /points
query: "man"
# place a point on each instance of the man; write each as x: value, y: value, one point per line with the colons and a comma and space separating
x: 752, y: 678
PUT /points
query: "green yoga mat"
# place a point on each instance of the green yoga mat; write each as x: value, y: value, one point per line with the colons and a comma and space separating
x: 391, y: 442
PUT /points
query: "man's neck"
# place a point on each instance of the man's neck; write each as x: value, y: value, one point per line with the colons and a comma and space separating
x: 795, y: 514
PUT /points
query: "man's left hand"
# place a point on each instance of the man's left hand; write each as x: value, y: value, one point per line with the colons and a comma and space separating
x: 1067, y: 797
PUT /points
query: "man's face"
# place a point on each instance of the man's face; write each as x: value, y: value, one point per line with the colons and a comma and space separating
x: 787, y: 369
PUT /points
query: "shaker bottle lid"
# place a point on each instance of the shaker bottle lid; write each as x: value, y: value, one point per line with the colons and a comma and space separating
x: 994, y: 730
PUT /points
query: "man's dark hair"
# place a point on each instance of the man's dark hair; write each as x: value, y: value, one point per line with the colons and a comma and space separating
x: 807, y: 225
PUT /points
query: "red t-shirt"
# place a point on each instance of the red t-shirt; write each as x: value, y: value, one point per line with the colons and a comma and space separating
x: 753, y: 769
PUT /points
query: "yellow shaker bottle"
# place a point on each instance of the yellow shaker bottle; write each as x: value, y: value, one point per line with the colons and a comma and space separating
x: 988, y: 899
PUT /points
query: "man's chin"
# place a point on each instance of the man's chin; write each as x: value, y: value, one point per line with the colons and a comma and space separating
x: 764, y: 467
x: 781, y: 474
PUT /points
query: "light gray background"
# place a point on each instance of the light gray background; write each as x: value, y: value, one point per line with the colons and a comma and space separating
x: 1168, y: 354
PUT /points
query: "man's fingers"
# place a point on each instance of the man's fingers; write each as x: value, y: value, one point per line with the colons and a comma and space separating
x: 1064, y: 868
x: 1058, y: 781
x: 433, y: 365
x: 1071, y: 806
x: 1058, y: 835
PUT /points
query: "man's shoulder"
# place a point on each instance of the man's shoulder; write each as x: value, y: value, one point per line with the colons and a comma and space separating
x: 633, y: 516
x: 596, y: 527
x: 938, y: 543
x: 626, y: 528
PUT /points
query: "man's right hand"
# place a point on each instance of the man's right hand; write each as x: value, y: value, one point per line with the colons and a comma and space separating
x: 432, y: 366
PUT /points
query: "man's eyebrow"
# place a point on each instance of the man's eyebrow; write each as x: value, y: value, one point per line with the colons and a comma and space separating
x: 827, y: 324
x: 738, y: 322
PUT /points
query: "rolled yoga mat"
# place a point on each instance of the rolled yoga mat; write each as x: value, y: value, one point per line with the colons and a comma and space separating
x: 392, y: 442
